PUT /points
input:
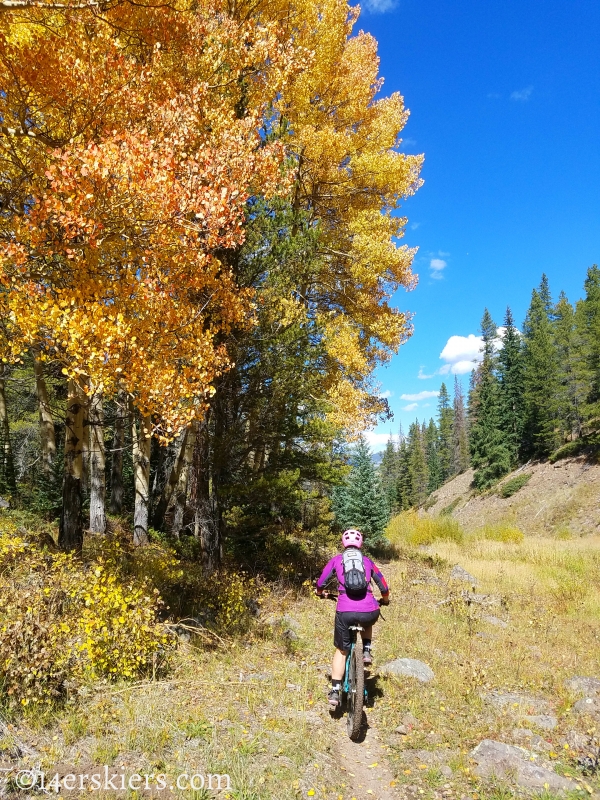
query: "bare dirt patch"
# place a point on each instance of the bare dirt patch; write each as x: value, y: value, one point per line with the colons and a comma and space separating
x: 560, y: 498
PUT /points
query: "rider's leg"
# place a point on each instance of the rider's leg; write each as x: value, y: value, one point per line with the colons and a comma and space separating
x: 366, y: 641
x: 338, y: 665
x: 337, y: 675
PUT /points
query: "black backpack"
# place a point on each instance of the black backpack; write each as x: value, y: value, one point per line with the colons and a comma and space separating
x: 355, y: 577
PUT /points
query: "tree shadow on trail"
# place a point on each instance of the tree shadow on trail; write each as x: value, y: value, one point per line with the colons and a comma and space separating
x: 374, y: 690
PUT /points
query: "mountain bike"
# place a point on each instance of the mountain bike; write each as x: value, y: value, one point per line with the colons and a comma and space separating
x: 354, y: 691
x: 353, y: 685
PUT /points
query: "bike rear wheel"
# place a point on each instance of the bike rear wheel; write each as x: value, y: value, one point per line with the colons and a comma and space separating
x: 356, y: 692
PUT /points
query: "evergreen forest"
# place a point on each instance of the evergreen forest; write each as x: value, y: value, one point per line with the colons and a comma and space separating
x: 535, y: 394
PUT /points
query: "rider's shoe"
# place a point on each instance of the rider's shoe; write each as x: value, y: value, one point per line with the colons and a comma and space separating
x: 367, y: 658
x: 333, y: 698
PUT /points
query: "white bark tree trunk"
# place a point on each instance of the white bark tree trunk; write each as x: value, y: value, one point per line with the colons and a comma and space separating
x: 116, y: 472
x: 141, y: 468
x: 182, y: 484
x: 97, y: 465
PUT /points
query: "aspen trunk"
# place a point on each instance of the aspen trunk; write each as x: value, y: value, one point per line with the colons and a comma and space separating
x: 171, y: 484
x: 47, y: 434
x: 7, y: 465
x: 116, y: 472
x: 97, y: 465
x: 187, y: 449
x: 141, y: 470
x: 206, y: 527
x: 70, y: 536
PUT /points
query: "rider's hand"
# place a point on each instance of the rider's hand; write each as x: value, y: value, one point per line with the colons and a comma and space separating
x: 384, y: 601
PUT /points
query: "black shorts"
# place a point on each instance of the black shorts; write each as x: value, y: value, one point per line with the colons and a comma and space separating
x: 343, y: 619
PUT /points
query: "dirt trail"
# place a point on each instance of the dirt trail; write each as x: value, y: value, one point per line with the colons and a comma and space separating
x: 365, y: 765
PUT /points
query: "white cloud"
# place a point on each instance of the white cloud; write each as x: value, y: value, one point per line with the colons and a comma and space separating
x: 463, y: 353
x: 385, y: 395
x: 459, y: 368
x: 414, y: 226
x: 522, y: 95
x: 437, y: 265
x: 425, y: 395
x: 379, y: 6
x: 423, y: 377
x: 378, y: 441
x: 408, y: 142
x: 410, y: 407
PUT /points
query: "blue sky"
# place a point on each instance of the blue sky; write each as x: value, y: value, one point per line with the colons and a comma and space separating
x: 505, y: 103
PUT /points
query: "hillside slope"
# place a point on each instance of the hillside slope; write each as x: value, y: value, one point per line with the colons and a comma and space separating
x: 559, y: 498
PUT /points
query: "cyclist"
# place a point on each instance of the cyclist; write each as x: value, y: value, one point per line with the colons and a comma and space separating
x: 352, y: 609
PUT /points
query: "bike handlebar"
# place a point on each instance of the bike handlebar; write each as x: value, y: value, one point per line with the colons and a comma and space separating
x: 333, y: 596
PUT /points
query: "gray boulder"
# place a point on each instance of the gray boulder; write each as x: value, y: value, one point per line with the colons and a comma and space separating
x: 458, y: 573
x: 507, y: 762
x: 499, y: 623
x: 531, y: 740
x: 590, y: 687
x: 545, y: 721
x: 410, y: 667
x: 588, y: 705
x: 518, y: 703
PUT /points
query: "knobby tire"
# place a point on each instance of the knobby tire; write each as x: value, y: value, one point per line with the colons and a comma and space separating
x: 356, y: 693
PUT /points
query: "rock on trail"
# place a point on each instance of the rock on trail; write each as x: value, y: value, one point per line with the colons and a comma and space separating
x: 410, y: 667
x: 505, y: 761
x: 590, y: 689
x: 459, y: 573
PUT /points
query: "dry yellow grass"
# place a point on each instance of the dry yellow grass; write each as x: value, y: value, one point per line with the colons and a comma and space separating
x: 254, y: 708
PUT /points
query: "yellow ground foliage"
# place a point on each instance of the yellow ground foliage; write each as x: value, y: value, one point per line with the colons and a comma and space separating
x: 64, y: 623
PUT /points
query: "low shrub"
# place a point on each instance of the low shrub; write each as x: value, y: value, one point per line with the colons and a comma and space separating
x: 409, y: 528
x: 514, y: 484
x: 430, y: 502
x: 501, y: 532
x: 588, y: 445
x: 64, y: 623
x: 447, y: 510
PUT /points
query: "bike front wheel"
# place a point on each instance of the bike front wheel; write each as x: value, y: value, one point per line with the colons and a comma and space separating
x: 356, y: 692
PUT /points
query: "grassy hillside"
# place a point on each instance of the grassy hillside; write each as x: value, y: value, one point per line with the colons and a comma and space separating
x: 558, y: 499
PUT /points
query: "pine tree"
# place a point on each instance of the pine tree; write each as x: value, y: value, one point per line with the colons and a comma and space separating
x: 590, y: 325
x: 403, y: 484
x: 546, y: 296
x: 388, y: 475
x: 460, y: 436
x: 540, y: 381
x: 432, y: 450
x: 417, y: 466
x: 573, y: 373
x: 510, y: 370
x: 360, y: 503
x: 490, y: 454
x: 445, y: 415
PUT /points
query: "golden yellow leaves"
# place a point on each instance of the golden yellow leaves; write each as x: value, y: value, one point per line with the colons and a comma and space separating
x: 113, y: 268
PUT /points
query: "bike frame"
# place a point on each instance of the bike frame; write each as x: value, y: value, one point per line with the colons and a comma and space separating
x: 346, y: 685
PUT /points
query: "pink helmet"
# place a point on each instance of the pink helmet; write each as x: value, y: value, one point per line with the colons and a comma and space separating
x: 352, y: 538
